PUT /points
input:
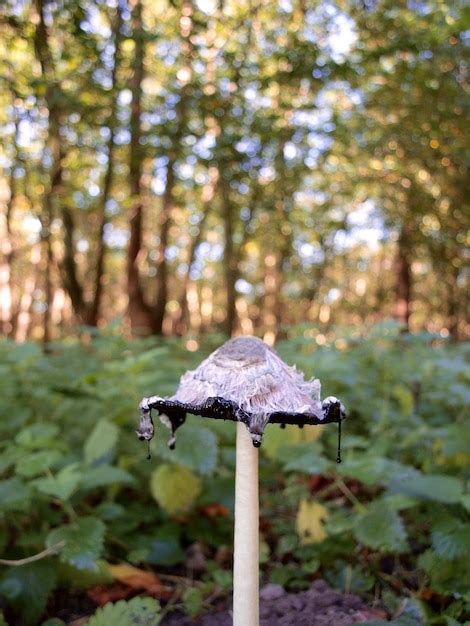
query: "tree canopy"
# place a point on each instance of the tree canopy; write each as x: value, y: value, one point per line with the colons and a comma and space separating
x: 241, y: 166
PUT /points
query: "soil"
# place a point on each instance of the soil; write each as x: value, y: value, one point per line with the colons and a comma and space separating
x: 318, y: 606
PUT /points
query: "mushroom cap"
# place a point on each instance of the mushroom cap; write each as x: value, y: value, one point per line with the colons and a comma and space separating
x: 251, y: 375
x: 244, y: 380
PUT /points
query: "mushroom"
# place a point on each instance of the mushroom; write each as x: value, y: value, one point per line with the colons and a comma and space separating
x: 247, y: 382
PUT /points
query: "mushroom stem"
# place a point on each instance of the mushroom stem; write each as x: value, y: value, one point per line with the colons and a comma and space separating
x: 246, y: 542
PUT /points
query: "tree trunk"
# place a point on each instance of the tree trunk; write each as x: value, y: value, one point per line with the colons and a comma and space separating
x: 23, y: 319
x: 54, y: 150
x: 69, y: 266
x: 140, y: 314
x: 93, y: 310
x: 6, y: 249
x: 184, y: 77
x: 208, y: 193
x: 229, y: 260
x: 161, y: 263
x: 403, y: 278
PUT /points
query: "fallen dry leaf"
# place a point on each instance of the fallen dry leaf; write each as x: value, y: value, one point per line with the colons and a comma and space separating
x: 214, y: 510
x: 103, y: 595
x: 139, y: 579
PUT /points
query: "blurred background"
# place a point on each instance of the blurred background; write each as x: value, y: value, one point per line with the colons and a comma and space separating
x: 184, y: 167
x: 177, y: 171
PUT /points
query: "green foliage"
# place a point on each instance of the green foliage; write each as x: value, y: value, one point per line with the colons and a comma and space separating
x: 174, y: 488
x: 27, y: 588
x: 135, y: 612
x: 398, y: 501
x: 381, y: 528
x: 193, y: 601
x: 101, y: 442
x: 196, y: 448
x: 82, y: 539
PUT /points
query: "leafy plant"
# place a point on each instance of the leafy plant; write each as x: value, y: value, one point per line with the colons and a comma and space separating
x: 75, y: 478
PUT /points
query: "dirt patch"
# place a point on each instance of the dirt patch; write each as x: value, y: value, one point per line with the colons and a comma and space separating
x: 318, y: 606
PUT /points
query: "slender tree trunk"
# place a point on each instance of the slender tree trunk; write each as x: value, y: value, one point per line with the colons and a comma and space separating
x: 53, y: 148
x: 69, y: 267
x: 453, y: 302
x: 184, y: 77
x: 208, y: 193
x: 161, y: 263
x: 93, y: 310
x: 403, y: 282
x: 23, y: 319
x: 140, y: 314
x: 229, y: 260
x: 6, y: 246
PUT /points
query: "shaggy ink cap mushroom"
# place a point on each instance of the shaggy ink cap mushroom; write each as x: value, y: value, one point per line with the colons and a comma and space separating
x: 246, y: 381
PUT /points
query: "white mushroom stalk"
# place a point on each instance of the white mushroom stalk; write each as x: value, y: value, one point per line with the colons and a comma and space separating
x: 247, y: 382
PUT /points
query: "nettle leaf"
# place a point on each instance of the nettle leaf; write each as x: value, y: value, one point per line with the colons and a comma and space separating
x: 193, y: 601
x: 14, y: 495
x: 451, y: 538
x: 438, y: 487
x: 62, y: 485
x: 38, y: 436
x: 447, y: 576
x: 372, y: 470
x: 305, y: 458
x: 9, y: 457
x: 196, y: 448
x: 103, y: 476
x: 37, y: 463
x: 83, y: 539
x: 138, y: 611
x: 161, y: 548
x: 101, y: 442
x: 28, y: 587
x: 175, y: 488
x: 381, y: 528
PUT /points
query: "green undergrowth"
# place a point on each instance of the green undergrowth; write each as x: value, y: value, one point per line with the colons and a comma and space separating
x: 390, y: 522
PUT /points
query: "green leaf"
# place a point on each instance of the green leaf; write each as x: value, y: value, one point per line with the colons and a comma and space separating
x: 14, y: 495
x: 161, y: 548
x: 38, y: 436
x: 28, y: 587
x: 436, y: 487
x: 62, y: 485
x: 193, y: 601
x: 103, y: 476
x: 2, y: 620
x: 381, y: 528
x: 53, y: 621
x: 175, y: 488
x: 446, y: 576
x: 304, y: 457
x: 371, y: 470
x: 196, y: 448
x: 84, y: 578
x: 37, y: 463
x: 451, y: 538
x: 138, y: 612
x: 84, y: 539
x: 101, y: 442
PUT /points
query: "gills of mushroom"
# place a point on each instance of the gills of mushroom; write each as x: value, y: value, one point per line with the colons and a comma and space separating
x: 247, y: 382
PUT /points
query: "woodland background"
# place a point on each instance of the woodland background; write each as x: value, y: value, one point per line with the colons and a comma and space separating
x: 236, y: 166
x: 174, y: 172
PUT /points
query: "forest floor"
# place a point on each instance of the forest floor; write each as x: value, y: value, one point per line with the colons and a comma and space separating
x: 318, y: 606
